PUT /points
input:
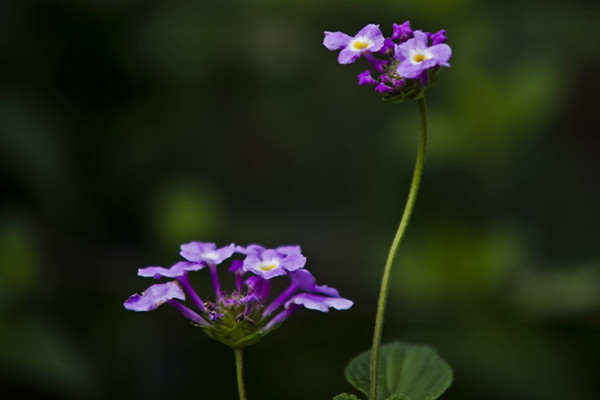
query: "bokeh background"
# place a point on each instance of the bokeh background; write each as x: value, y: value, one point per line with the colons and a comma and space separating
x: 128, y: 127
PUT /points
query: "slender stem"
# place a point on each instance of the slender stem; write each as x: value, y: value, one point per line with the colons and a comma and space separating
x: 239, y: 362
x: 385, y: 281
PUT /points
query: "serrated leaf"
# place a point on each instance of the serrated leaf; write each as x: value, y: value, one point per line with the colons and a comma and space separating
x: 406, y: 372
x: 345, y: 396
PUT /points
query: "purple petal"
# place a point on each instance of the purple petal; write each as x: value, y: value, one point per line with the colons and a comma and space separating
x: 251, y: 248
x: 420, y: 40
x: 293, y: 262
x: 287, y: 250
x: 175, y: 271
x: 409, y: 70
x: 154, y: 296
x: 336, y: 40
x: 324, y: 289
x: 319, y: 303
x: 303, y: 280
x: 373, y: 33
x: 441, y: 53
x: 348, y: 56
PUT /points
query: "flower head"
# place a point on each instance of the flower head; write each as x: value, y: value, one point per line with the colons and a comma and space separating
x: 369, y: 39
x: 401, y: 66
x: 244, y: 315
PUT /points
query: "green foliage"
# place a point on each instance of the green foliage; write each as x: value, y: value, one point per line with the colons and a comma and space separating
x: 345, y: 396
x: 406, y: 372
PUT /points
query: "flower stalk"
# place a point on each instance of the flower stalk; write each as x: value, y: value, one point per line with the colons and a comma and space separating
x: 385, y: 281
x: 239, y: 371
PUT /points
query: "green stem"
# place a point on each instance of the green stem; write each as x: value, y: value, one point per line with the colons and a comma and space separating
x: 239, y: 361
x: 385, y: 281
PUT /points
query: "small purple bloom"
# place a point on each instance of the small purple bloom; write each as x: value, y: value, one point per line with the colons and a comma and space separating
x: 383, y: 88
x: 271, y: 263
x: 319, y: 303
x: 368, y: 39
x: 402, y: 32
x: 438, y: 37
x: 417, y: 57
x: 365, y: 78
x: 154, y: 296
x: 388, y: 46
x: 204, y: 252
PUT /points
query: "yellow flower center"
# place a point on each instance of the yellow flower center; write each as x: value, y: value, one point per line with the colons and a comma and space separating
x: 266, y: 268
x: 360, y: 45
x: 419, y: 57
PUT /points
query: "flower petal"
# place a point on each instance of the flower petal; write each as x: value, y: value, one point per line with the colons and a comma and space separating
x: 373, y: 33
x: 154, y: 296
x: 441, y: 53
x: 303, y: 280
x: 175, y: 271
x: 336, y: 40
x: 319, y: 303
x: 348, y: 56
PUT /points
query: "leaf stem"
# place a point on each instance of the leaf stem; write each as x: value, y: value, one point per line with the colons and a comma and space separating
x: 385, y: 281
x: 239, y: 361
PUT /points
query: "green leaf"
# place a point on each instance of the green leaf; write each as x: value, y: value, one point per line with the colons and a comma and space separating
x: 345, y: 396
x: 406, y: 372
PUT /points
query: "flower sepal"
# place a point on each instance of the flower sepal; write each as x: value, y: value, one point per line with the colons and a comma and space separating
x: 236, y: 337
x: 234, y: 326
x: 413, y: 89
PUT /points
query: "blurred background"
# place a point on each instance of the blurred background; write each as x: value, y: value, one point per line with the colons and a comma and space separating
x: 128, y: 127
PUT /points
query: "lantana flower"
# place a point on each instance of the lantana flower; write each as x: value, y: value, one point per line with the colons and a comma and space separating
x: 244, y: 315
x: 402, y: 66
x: 417, y: 57
x: 369, y: 39
x: 270, y: 263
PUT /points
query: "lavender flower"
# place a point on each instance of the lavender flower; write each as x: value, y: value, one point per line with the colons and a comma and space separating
x: 369, y: 39
x: 244, y: 315
x: 206, y: 253
x: 401, y: 66
x: 270, y: 263
x: 417, y: 57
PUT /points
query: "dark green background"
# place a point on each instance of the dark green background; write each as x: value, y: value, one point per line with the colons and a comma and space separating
x: 131, y: 126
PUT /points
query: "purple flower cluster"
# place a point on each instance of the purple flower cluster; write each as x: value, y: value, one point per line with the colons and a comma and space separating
x: 402, y: 66
x: 242, y: 316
